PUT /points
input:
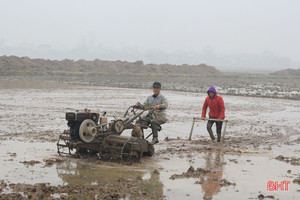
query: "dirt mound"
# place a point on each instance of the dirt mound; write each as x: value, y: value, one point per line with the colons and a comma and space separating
x: 287, y: 72
x: 12, y: 65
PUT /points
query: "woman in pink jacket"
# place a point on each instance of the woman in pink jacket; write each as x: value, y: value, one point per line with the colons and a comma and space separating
x: 216, y: 111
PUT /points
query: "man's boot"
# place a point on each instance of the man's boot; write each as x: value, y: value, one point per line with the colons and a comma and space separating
x: 154, y: 140
x: 219, y: 137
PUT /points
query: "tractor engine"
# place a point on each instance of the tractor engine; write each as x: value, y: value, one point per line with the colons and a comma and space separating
x: 76, y: 118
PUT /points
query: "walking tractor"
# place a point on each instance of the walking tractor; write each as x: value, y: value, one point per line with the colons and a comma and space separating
x: 92, y: 133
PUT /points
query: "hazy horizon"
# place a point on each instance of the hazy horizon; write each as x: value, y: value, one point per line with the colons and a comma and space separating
x: 240, y: 35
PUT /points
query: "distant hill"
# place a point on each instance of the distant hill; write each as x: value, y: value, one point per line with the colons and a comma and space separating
x: 287, y: 72
x: 12, y: 65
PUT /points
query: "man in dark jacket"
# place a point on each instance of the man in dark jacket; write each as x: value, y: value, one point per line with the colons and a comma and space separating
x: 216, y: 111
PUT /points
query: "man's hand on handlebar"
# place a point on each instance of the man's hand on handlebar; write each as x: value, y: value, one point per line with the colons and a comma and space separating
x: 156, y: 107
x: 138, y: 105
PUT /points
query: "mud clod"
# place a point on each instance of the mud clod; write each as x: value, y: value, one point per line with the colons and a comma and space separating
x: 225, y: 183
x: 261, y: 196
x: 191, y: 173
x: 13, y: 155
x: 31, y: 163
x: 191, y: 169
x: 233, y: 160
x: 297, y: 181
x: 51, y: 162
x: 291, y: 160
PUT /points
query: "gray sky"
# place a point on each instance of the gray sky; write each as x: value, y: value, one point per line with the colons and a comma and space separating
x: 224, y: 33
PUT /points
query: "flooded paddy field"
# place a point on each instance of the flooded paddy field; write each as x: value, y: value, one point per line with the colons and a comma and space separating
x: 261, y: 145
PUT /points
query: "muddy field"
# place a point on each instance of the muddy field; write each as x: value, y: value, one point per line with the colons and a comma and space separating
x: 250, y: 85
x: 261, y: 144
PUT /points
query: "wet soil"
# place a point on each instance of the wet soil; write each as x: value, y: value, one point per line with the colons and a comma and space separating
x: 121, y: 189
x: 261, y: 144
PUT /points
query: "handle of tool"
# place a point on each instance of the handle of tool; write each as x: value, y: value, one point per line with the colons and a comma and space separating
x: 190, y: 137
x: 224, y: 131
x: 213, y: 119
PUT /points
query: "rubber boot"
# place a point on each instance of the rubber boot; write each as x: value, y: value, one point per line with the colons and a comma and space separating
x: 210, y: 132
x: 154, y: 140
x: 219, y: 137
